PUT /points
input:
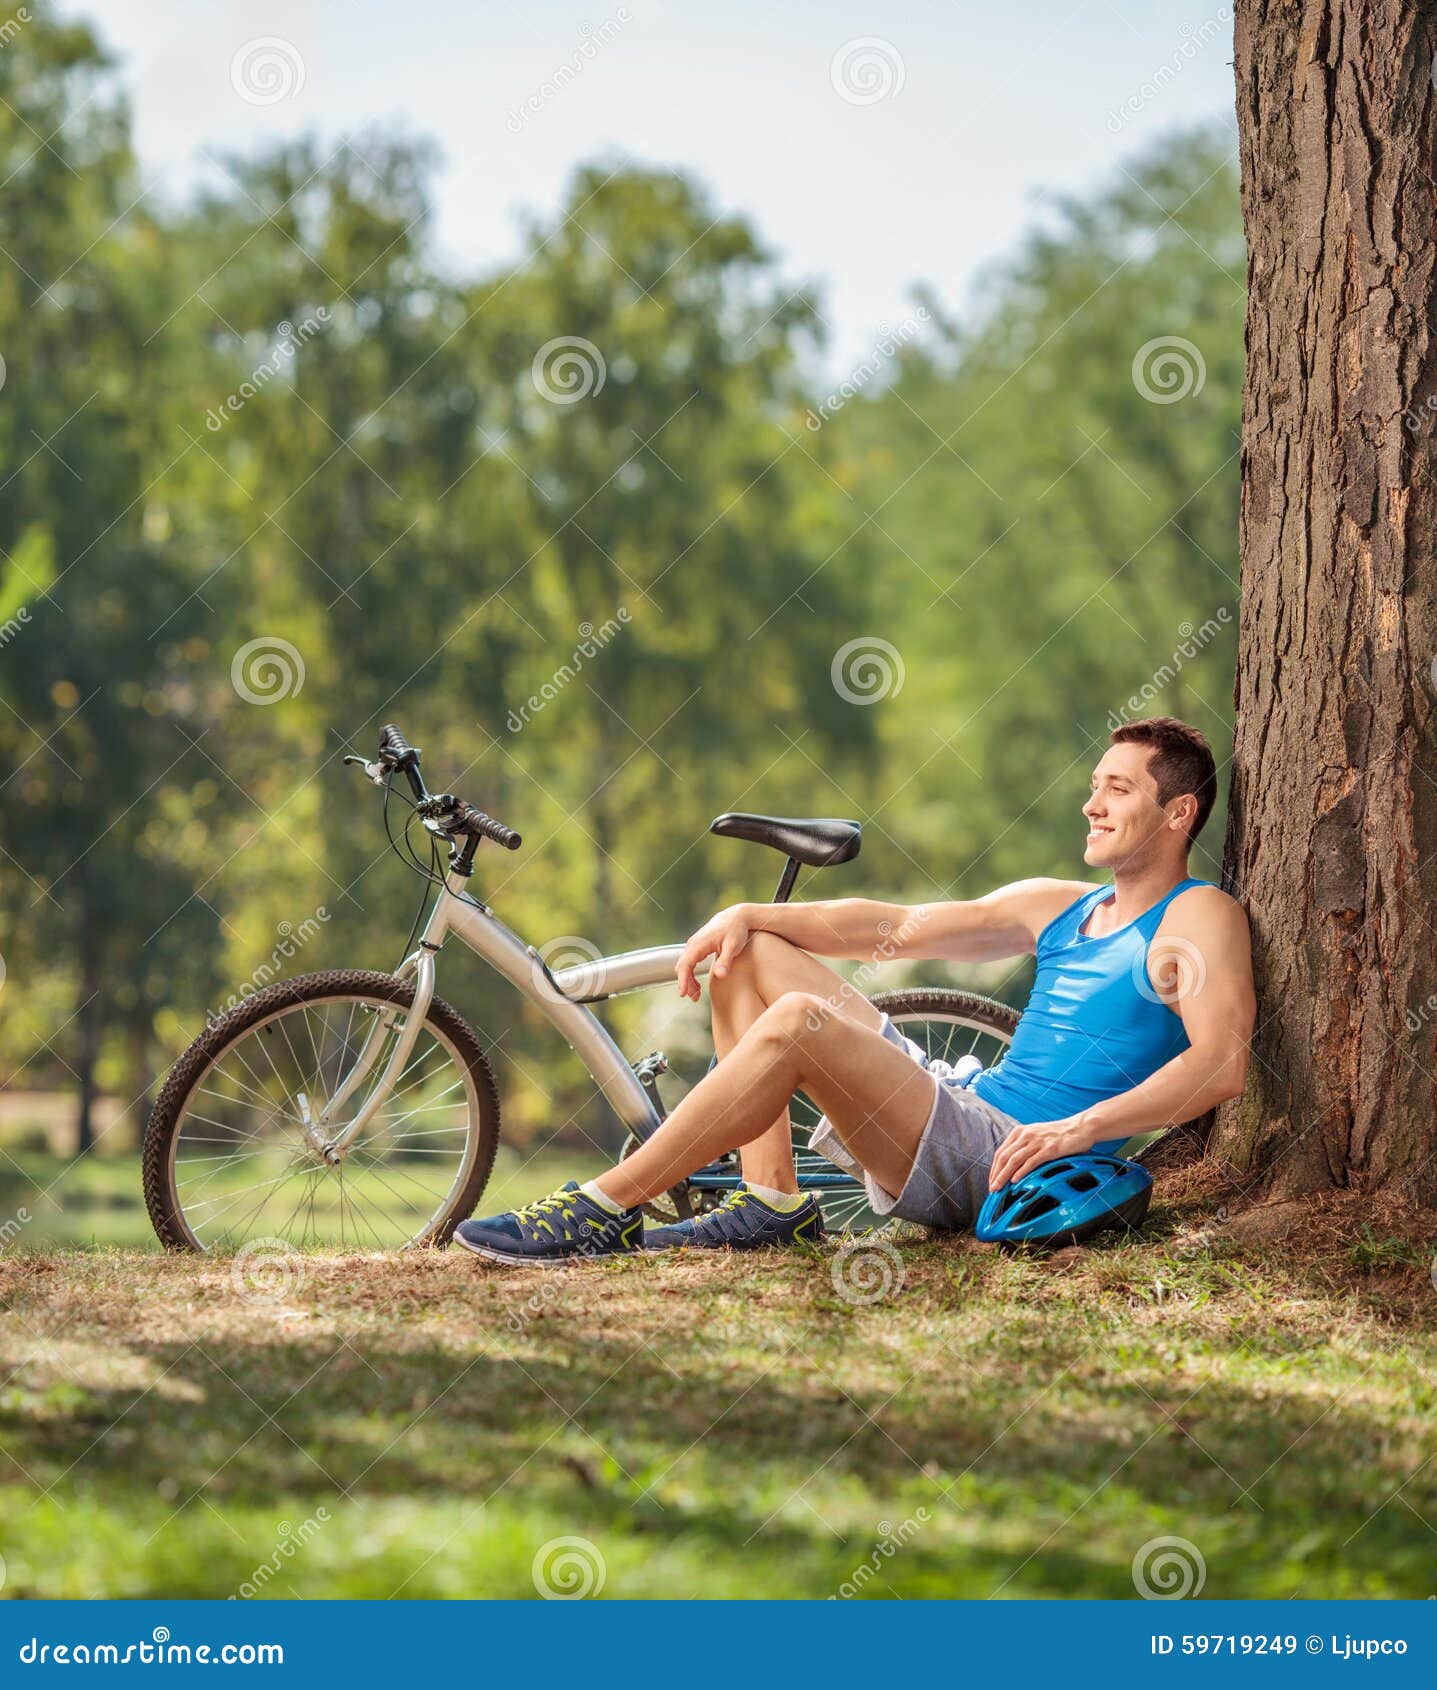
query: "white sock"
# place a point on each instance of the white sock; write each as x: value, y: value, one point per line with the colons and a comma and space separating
x: 590, y: 1189
x: 784, y: 1201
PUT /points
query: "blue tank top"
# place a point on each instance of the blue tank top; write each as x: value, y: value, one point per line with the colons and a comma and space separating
x: 1093, y: 1027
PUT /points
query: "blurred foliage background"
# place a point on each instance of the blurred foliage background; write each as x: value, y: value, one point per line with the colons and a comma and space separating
x: 266, y: 416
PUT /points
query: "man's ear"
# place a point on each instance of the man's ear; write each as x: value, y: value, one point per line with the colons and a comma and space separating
x: 1183, y: 811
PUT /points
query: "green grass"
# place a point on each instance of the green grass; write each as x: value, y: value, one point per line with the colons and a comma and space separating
x: 722, y: 1426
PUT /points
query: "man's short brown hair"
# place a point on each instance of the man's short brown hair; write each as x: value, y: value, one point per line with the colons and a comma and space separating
x: 1182, y: 761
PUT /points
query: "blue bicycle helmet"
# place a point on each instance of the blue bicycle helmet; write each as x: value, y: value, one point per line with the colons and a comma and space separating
x: 1066, y: 1201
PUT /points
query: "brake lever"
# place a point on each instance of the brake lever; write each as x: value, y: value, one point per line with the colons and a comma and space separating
x: 377, y: 772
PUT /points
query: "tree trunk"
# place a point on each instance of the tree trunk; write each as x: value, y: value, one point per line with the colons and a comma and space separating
x: 90, y: 1017
x: 1333, y: 820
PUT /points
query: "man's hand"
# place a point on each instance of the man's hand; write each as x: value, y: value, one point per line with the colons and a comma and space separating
x: 1029, y: 1147
x: 722, y: 937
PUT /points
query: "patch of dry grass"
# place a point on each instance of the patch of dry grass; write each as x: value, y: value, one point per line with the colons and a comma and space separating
x: 733, y: 1425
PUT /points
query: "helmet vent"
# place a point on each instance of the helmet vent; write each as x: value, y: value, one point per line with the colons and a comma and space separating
x: 1039, y: 1206
x: 1083, y: 1182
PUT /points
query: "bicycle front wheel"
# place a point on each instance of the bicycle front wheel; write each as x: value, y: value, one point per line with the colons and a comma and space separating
x: 231, y: 1158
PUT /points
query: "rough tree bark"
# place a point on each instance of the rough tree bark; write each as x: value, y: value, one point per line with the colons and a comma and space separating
x: 1333, y: 822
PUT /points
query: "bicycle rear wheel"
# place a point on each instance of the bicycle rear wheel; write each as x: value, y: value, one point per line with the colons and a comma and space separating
x: 228, y: 1158
x: 946, y: 1024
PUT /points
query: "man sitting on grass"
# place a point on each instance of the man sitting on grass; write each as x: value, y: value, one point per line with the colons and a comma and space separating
x: 1140, y: 1016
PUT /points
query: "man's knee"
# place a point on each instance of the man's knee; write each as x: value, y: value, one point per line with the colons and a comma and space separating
x: 797, y: 1018
x: 753, y: 962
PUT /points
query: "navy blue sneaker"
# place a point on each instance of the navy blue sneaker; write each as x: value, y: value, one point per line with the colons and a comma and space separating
x: 565, y: 1226
x: 743, y: 1221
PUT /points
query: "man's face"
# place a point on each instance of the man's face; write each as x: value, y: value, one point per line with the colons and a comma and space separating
x: 1125, y: 820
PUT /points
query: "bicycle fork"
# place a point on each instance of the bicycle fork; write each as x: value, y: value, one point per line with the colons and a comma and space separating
x: 421, y: 965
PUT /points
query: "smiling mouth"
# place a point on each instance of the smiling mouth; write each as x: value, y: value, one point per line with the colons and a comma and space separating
x: 1095, y: 830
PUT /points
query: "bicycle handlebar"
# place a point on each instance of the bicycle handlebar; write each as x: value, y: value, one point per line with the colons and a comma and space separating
x: 455, y: 814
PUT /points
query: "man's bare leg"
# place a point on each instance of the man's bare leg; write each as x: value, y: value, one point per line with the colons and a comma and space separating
x: 758, y: 977
x: 876, y: 1096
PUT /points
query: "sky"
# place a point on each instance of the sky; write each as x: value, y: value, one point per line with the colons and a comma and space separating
x: 873, y: 146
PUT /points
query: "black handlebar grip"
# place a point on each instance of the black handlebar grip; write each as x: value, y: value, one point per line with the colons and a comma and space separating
x: 391, y: 740
x: 502, y: 835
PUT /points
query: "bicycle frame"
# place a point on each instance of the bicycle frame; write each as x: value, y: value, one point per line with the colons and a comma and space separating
x: 563, y: 997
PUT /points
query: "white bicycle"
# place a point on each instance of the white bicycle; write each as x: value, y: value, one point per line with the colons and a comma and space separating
x: 355, y: 1109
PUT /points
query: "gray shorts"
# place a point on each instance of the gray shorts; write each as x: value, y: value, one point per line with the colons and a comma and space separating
x: 949, y: 1177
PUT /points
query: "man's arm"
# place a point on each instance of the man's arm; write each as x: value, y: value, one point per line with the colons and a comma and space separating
x: 1005, y: 923
x: 1200, y: 962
